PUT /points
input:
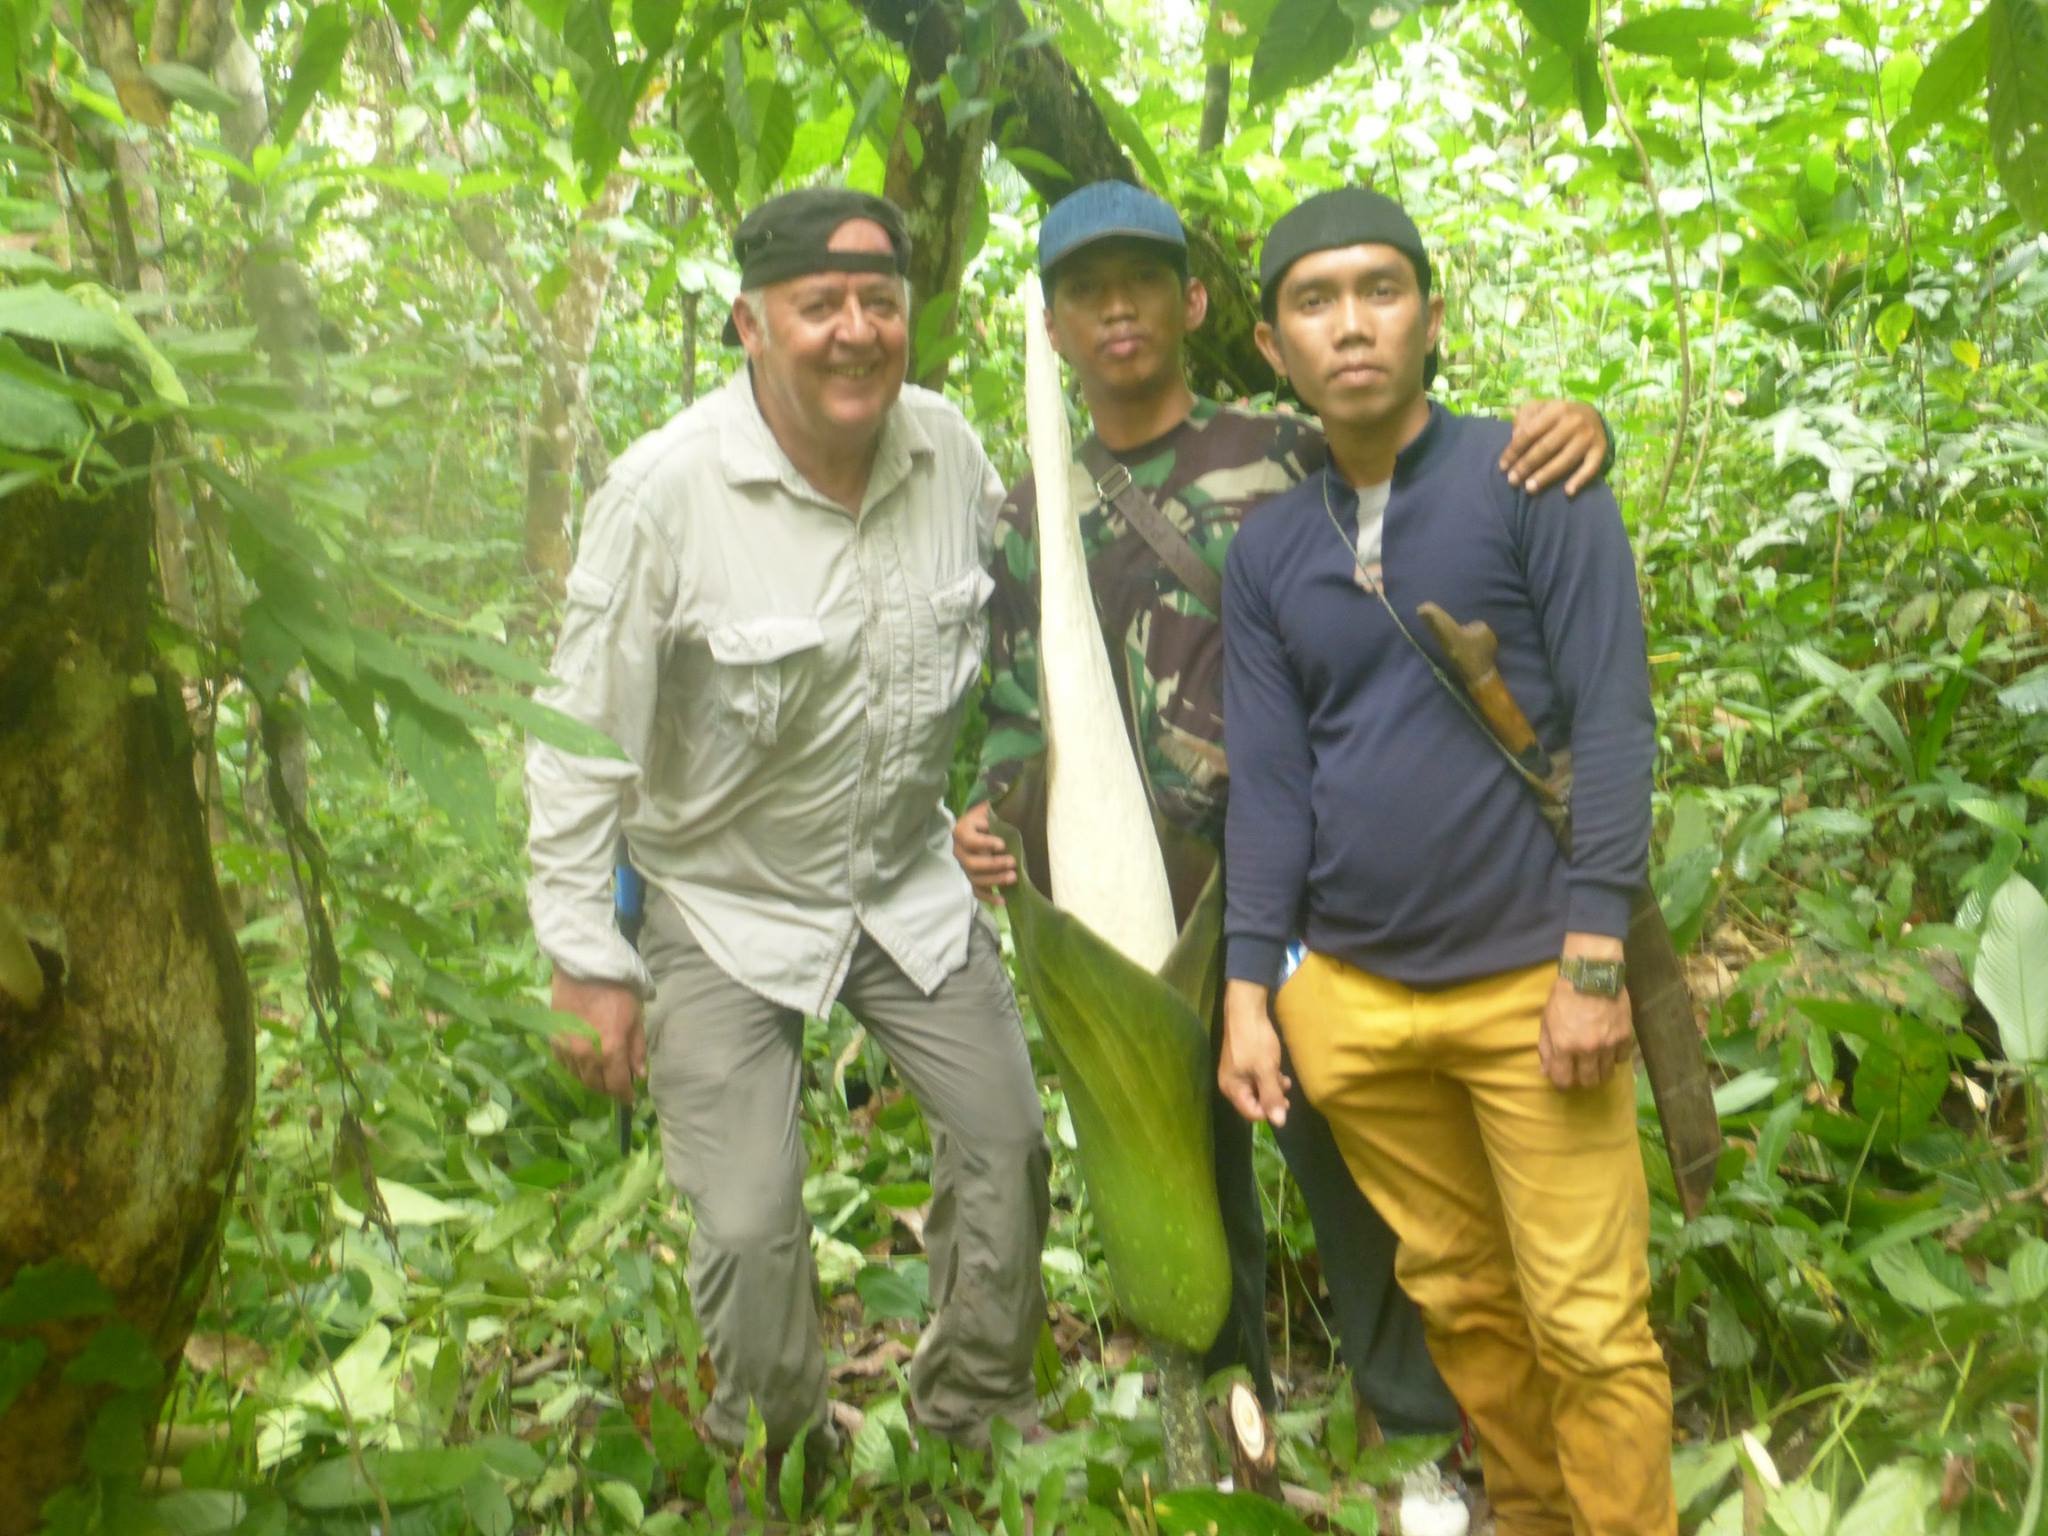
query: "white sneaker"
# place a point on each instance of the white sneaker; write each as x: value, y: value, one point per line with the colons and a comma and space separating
x: 1431, y: 1504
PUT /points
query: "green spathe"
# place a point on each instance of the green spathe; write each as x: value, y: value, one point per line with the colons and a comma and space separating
x: 1133, y: 1056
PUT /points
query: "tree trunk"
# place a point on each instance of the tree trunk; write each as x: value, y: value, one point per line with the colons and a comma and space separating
x: 938, y: 184
x: 553, y: 445
x: 1046, y: 107
x: 126, y: 1065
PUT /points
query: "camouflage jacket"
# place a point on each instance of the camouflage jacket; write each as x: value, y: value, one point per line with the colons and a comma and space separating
x: 1205, y: 475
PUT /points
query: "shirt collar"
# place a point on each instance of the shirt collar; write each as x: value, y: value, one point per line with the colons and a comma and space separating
x: 1408, y: 460
x: 750, y: 455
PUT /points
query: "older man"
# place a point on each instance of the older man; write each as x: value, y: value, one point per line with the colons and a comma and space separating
x: 776, y: 612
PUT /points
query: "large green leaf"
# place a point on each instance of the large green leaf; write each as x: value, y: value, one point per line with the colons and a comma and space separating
x: 2019, y: 103
x: 1198, y: 1511
x: 1133, y: 1057
x: 1903, y: 1499
x: 1562, y: 21
x: 48, y: 314
x: 1303, y: 41
x: 1131, y: 134
x: 402, y: 1477
x: 446, y: 762
x: 2012, y: 969
x: 34, y: 419
x: 1679, y: 30
x: 1954, y: 75
x: 321, y: 47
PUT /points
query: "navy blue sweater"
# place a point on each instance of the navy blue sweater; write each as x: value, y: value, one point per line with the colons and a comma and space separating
x: 1369, y: 814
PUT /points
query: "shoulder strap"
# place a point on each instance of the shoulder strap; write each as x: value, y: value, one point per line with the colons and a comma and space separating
x: 1113, y: 483
x: 1560, y: 823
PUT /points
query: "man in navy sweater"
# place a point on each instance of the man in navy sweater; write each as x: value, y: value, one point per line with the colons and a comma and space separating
x: 1459, y: 1017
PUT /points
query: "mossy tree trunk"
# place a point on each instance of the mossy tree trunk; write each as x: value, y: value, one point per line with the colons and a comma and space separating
x: 126, y: 1050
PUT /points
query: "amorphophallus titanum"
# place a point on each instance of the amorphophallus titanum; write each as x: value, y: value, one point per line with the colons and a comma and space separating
x: 1123, y: 994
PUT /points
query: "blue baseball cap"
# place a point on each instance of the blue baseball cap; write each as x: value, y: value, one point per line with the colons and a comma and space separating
x: 1108, y: 210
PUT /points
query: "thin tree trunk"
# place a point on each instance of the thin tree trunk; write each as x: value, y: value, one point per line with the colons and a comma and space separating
x: 1215, y: 84
x: 939, y: 186
x: 553, y: 447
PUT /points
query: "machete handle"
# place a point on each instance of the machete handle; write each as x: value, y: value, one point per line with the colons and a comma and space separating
x: 1472, y: 648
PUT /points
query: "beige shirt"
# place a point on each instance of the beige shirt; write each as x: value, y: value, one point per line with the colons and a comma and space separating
x: 785, y: 681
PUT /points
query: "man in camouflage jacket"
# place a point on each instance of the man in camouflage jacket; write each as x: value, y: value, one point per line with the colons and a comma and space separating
x: 1119, y: 306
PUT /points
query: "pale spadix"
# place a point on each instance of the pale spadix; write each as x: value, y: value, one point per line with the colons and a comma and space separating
x: 1106, y: 867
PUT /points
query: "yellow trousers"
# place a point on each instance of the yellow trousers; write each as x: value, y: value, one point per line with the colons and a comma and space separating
x: 1523, y: 1221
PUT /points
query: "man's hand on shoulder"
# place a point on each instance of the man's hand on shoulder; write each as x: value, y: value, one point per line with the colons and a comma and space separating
x: 1553, y: 439
x: 1248, y: 1071
x: 618, y: 1056
x: 983, y: 855
x: 1585, y: 1036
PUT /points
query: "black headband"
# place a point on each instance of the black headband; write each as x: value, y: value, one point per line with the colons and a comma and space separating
x: 790, y: 236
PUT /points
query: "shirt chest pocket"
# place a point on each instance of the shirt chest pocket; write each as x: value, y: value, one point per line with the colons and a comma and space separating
x: 959, y: 617
x: 759, y: 666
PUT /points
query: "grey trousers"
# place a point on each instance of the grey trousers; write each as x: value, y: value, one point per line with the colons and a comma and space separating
x: 725, y: 1069
x: 1379, y: 1330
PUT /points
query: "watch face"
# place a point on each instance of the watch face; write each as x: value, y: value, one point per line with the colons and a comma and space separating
x: 1603, y: 978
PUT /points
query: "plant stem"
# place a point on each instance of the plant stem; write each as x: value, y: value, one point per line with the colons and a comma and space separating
x: 1679, y: 297
x: 1184, y: 1432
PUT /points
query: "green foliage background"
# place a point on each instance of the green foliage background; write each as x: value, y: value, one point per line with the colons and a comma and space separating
x: 1794, y: 253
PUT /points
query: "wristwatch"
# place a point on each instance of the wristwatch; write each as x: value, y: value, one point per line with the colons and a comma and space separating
x: 1596, y: 978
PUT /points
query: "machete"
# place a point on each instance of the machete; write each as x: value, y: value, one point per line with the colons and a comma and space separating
x: 1658, y: 998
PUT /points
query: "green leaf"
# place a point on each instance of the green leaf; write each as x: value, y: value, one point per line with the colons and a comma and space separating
x: 654, y: 23
x: 322, y: 45
x: 1031, y: 162
x: 1385, y: 1464
x: 1200, y: 1511
x: 1902, y: 1499
x: 52, y: 1293
x: 201, y: 1511
x: 21, y: 1360
x: 404, y: 1477
x: 1898, y: 1088
x: 1744, y: 1091
x: 194, y: 87
x: 484, y: 1501
x: 1955, y: 75
x: 1730, y: 1344
x: 1562, y: 21
x: 1303, y: 41
x: 1131, y: 135
x: 1902, y: 1271
x: 445, y: 761
x: 2028, y: 696
x: 777, y: 118
x: 2017, y: 44
x: 888, y: 1292
x: 552, y: 726
x: 1589, y: 88
x: 1892, y: 325
x: 1799, y: 1509
x: 1133, y: 1058
x: 117, y: 1355
x: 490, y: 655
x: 2011, y: 976
x: 1680, y: 30
x: 625, y: 1502
x: 2027, y: 1269
x: 33, y: 419
x: 49, y: 314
